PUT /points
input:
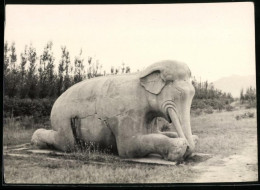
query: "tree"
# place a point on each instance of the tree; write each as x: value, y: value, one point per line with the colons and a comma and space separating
x: 127, y: 70
x: 117, y: 70
x: 112, y: 70
x: 6, y: 67
x: 94, y: 68
x: 63, y: 78
x: 6, y: 58
x: 32, y: 79
x: 123, y: 67
x: 79, y: 72
x: 13, y: 56
x: 46, y: 73
x: 22, y: 86
x: 61, y: 69
x: 242, y: 96
x: 50, y: 71
x: 250, y: 94
x: 13, y: 78
x: 68, y: 71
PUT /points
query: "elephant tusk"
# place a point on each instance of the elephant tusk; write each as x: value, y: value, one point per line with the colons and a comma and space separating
x: 176, y: 122
x: 179, y: 128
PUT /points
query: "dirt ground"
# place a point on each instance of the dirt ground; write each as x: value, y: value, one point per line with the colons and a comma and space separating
x: 226, y: 152
x: 241, y: 167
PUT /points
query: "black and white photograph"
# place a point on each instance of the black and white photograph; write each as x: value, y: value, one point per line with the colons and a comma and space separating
x: 129, y: 93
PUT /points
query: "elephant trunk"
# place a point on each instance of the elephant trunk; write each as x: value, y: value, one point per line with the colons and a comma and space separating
x: 182, y: 126
x: 187, y: 130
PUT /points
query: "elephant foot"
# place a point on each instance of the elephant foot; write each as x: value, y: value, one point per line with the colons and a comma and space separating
x: 188, y: 152
x: 37, y: 140
x: 172, y: 149
x: 50, y: 139
x: 177, y: 149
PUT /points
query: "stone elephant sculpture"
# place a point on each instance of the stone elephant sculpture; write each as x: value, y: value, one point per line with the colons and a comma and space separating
x: 116, y: 111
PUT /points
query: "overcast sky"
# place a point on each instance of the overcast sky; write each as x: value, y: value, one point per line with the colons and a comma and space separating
x: 214, y: 39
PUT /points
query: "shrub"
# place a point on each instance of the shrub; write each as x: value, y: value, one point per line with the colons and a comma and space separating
x: 245, y: 115
x: 26, y: 107
x: 216, y: 104
x: 209, y: 110
x: 250, y: 114
x: 238, y: 117
x: 198, y: 104
x: 251, y: 104
x: 198, y: 112
x: 229, y: 108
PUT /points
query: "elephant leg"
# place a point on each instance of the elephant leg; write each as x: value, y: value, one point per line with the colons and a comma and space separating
x: 94, y: 129
x: 61, y: 139
x: 170, y: 134
x: 43, y: 138
x: 188, y: 153
x: 171, y: 149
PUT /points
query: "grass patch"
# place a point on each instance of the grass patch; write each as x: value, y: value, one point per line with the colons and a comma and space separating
x: 14, y: 133
x: 219, y: 134
x: 19, y: 130
x: 63, y: 171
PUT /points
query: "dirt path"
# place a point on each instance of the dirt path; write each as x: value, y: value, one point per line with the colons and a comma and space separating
x: 235, y: 168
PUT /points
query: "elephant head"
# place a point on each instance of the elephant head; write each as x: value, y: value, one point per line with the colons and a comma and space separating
x: 170, y: 94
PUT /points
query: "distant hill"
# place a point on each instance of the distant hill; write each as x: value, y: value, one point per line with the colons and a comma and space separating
x: 235, y: 83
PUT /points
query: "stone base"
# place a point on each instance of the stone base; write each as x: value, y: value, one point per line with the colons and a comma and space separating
x: 151, y: 159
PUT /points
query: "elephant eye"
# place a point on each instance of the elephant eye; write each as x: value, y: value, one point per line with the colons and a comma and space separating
x: 179, y: 92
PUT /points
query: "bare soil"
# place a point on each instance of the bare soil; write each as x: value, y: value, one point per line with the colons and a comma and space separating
x: 240, y: 167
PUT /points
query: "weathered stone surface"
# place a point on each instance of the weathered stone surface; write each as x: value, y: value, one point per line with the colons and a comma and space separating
x: 152, y: 159
x: 45, y: 152
x: 22, y: 148
x: 116, y: 112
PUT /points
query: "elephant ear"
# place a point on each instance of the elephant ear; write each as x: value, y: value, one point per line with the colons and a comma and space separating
x: 153, y: 82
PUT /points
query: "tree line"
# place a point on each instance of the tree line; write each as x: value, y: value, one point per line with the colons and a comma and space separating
x: 35, y: 76
x: 207, y: 96
x: 32, y: 85
x: 206, y: 90
x: 248, y: 97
